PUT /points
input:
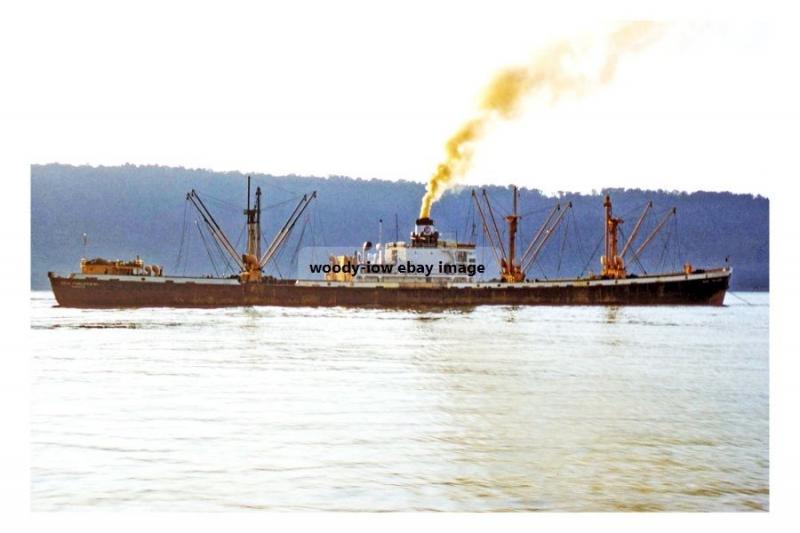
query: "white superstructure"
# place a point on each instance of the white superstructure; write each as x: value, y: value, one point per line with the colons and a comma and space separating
x: 424, y: 259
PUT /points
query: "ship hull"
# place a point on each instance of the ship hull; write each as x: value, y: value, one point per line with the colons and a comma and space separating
x: 703, y: 288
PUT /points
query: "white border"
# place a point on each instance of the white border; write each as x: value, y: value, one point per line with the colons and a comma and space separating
x: 19, y: 23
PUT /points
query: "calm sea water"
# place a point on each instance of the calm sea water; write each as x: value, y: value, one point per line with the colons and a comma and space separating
x: 493, y: 409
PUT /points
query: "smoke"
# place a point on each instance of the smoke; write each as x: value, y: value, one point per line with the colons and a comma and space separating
x: 564, y: 68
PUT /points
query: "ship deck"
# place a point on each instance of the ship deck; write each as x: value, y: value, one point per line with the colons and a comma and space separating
x: 399, y: 282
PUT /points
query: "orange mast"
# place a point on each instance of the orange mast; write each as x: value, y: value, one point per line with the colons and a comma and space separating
x: 612, y: 264
x: 510, y: 268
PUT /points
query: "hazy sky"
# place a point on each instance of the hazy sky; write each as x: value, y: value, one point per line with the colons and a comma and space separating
x: 367, y: 91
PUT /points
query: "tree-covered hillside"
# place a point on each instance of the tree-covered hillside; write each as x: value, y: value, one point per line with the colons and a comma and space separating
x: 129, y: 210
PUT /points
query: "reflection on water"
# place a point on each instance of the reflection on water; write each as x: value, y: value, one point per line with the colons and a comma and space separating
x: 570, y: 408
x: 611, y: 314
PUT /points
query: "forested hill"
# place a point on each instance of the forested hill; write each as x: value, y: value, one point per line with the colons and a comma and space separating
x: 129, y: 210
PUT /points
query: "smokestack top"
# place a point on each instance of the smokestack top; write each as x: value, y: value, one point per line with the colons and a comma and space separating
x: 424, y: 234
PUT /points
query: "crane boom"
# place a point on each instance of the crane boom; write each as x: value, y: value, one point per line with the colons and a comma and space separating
x: 550, y: 231
x: 288, y: 226
x: 216, y: 230
x: 539, y: 233
x: 636, y: 229
x: 494, y: 223
x: 486, y: 227
x: 655, y: 231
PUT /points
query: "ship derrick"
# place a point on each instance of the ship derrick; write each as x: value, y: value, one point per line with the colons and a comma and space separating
x: 252, y: 262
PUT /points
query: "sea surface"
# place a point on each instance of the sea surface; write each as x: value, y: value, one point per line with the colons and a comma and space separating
x: 491, y: 409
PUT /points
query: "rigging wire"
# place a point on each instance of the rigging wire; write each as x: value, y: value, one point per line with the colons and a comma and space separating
x: 474, y: 229
x: 293, y: 199
x: 239, y: 238
x: 501, y: 205
x: 188, y: 250
x: 535, y: 211
x: 544, y: 275
x: 588, y: 261
x: 183, y: 235
x: 296, y: 254
x: 318, y: 224
x: 561, y: 249
x: 635, y: 257
x: 289, y: 191
x: 739, y: 298
x: 666, y: 240
x: 276, y: 265
x: 470, y: 215
x: 634, y: 210
x: 224, y: 256
x: 222, y: 203
x: 313, y: 229
x: 578, y: 238
x: 230, y: 206
x: 482, y: 249
x: 225, y: 262
x: 208, y: 250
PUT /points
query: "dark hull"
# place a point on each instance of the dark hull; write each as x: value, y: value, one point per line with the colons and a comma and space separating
x: 93, y: 293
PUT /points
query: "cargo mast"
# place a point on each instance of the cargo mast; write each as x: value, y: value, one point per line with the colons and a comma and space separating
x: 252, y: 262
x: 511, y: 271
x: 252, y: 270
x: 612, y: 264
x: 253, y: 222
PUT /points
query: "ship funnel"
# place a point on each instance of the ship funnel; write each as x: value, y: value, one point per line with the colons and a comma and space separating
x: 424, y: 234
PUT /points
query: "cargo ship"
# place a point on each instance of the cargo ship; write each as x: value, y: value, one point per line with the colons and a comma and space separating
x: 425, y: 272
